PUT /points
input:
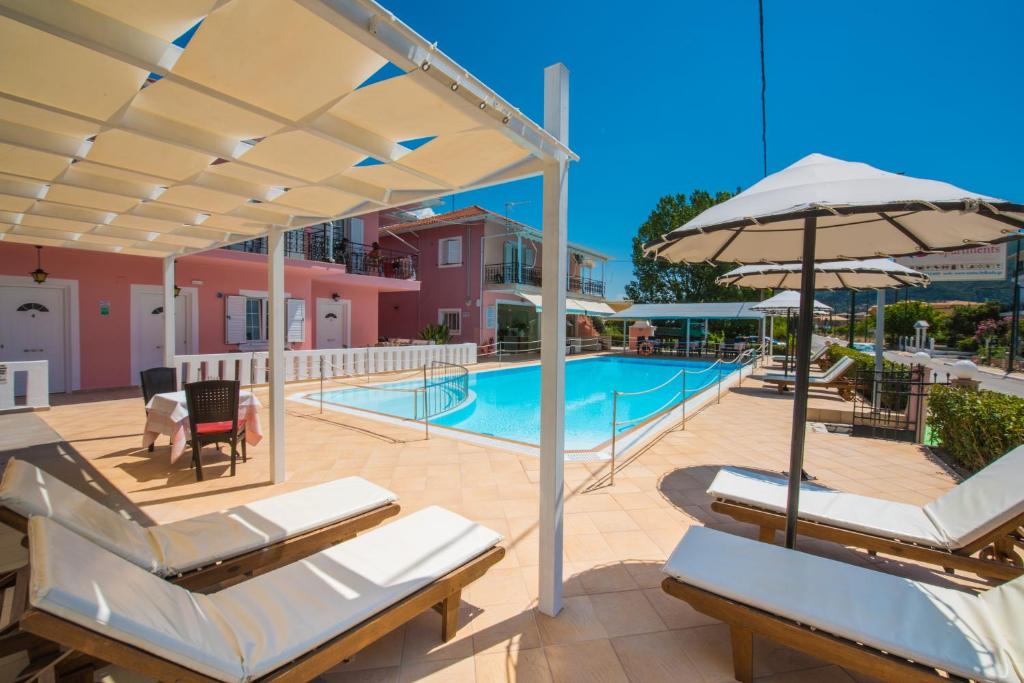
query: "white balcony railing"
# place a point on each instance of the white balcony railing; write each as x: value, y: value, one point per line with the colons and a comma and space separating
x: 251, y: 368
x: 37, y: 384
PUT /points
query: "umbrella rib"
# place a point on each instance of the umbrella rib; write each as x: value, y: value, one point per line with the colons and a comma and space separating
x: 839, y: 276
x: 726, y: 245
x: 905, y: 231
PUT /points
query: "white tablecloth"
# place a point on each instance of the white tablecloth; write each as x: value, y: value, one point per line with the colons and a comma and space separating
x: 168, y: 414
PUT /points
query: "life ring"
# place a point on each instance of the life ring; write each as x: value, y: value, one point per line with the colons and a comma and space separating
x: 646, y: 348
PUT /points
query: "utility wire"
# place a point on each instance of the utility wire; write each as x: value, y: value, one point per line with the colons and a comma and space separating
x: 764, y: 86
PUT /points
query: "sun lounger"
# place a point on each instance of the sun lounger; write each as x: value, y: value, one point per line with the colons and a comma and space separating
x: 885, y: 626
x: 203, y: 551
x: 834, y: 377
x: 819, y: 357
x: 289, y: 624
x: 981, y: 515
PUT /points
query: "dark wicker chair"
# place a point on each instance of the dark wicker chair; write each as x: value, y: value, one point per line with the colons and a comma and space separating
x: 213, y: 418
x: 157, y: 381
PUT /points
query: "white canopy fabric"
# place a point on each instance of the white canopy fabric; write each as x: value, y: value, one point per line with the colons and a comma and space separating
x: 709, y: 311
x: 119, y: 133
x: 573, y: 306
x: 868, y: 274
x: 787, y: 302
x: 861, y: 212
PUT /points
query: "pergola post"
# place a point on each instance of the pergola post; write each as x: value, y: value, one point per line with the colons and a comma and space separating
x: 275, y: 292
x: 552, y: 326
x: 169, y: 324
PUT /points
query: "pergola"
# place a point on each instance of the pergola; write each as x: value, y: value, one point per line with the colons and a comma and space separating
x: 126, y: 129
x: 731, y: 310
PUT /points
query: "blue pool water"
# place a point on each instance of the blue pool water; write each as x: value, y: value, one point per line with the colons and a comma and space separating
x: 864, y: 346
x: 506, y: 403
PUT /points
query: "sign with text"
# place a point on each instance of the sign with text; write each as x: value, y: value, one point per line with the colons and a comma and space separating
x: 963, y: 265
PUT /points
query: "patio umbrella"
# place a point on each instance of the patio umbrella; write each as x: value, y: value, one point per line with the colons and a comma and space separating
x: 784, y: 303
x: 825, y: 209
x: 853, y: 275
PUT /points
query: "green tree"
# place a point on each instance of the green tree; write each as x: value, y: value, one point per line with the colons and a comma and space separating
x: 900, y: 318
x: 660, y: 282
x: 963, y: 323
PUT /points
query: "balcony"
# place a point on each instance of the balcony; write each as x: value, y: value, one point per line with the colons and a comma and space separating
x: 359, y: 259
x: 511, y: 273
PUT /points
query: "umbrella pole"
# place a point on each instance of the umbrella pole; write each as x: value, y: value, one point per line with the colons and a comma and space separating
x: 787, y: 363
x: 853, y: 309
x: 803, y: 371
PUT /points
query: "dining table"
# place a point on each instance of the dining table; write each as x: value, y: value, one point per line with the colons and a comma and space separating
x: 167, y: 414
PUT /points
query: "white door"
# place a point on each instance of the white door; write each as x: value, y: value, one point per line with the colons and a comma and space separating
x: 332, y: 324
x: 32, y: 327
x: 149, y: 345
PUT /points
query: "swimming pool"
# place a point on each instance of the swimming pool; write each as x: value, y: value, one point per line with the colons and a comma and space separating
x: 505, y: 403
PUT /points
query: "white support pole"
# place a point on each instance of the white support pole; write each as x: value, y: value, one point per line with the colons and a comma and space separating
x: 275, y: 357
x: 169, y: 328
x: 879, y: 330
x: 552, y: 326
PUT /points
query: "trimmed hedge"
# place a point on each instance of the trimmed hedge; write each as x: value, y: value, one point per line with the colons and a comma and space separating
x: 863, y: 371
x: 976, y: 427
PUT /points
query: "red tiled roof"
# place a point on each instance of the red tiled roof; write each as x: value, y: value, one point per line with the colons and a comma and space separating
x: 451, y: 216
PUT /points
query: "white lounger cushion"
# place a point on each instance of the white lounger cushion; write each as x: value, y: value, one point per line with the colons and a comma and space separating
x: 179, y: 546
x: 847, y: 510
x: 89, y: 586
x: 958, y: 632
x: 830, y: 375
x: 982, y: 503
x: 252, y: 628
x: 29, y: 491
x: 198, y: 541
x: 291, y: 610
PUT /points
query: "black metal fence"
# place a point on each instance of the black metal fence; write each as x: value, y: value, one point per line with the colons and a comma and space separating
x: 445, y: 386
x: 893, y: 403
x: 313, y: 244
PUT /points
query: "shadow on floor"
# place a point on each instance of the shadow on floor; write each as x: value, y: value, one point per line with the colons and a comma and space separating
x: 41, y: 446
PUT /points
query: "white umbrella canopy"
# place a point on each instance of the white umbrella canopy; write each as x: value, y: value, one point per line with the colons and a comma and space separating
x: 869, y: 274
x: 825, y: 209
x: 861, y: 212
x: 787, y: 302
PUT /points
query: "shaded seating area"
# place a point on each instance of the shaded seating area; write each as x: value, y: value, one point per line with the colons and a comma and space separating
x: 885, y: 626
x: 157, y: 381
x: 981, y: 515
x: 202, y: 552
x: 289, y: 624
x: 833, y: 378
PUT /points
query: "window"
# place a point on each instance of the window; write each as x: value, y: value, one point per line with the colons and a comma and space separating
x: 450, y: 318
x: 449, y: 252
x: 256, y: 319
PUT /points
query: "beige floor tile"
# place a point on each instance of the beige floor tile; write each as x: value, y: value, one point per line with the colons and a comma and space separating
x: 516, y: 666
x: 576, y: 622
x: 656, y: 658
x: 625, y: 613
x: 503, y: 628
x: 443, y: 671
x: 588, y: 662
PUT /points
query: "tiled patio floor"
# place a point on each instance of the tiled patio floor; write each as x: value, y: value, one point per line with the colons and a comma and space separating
x: 617, y: 625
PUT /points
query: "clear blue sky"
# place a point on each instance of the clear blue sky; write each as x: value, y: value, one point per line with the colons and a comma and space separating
x: 668, y: 100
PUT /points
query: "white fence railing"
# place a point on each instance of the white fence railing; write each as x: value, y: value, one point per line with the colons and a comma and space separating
x: 252, y: 368
x: 36, y: 387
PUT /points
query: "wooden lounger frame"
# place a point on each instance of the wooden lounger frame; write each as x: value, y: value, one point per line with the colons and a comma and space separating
x: 745, y: 621
x: 845, y: 386
x: 262, y: 559
x: 444, y: 595
x: 999, y: 560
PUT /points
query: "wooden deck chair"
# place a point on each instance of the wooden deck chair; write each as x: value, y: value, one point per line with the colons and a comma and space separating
x: 885, y: 626
x: 833, y: 378
x: 205, y: 551
x: 291, y: 624
x: 819, y: 357
x: 982, y: 516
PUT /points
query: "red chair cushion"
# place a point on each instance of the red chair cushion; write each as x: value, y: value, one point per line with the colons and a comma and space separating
x: 213, y: 427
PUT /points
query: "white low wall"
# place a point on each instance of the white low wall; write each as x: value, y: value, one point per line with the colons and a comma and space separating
x: 37, y: 384
x: 251, y: 368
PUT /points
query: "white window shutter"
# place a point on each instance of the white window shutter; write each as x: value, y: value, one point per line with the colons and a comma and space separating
x: 234, y: 320
x: 296, y: 314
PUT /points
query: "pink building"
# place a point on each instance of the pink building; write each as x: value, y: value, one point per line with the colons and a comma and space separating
x: 481, y: 275
x: 98, y: 317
